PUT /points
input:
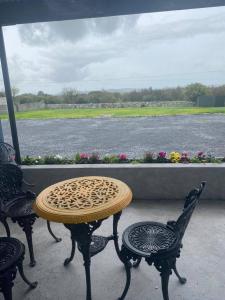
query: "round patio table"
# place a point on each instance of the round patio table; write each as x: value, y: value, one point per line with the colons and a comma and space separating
x: 81, y: 204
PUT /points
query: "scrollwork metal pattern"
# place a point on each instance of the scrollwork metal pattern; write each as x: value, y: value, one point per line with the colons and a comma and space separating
x: 83, y: 194
x: 151, y: 238
x: 7, y: 251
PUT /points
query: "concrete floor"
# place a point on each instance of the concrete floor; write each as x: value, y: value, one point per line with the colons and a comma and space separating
x: 202, y: 260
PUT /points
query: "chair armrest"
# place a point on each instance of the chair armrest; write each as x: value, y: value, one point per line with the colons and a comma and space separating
x: 28, y: 183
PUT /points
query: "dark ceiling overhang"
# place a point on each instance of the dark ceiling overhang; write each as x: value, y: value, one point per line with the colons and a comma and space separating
x: 31, y: 11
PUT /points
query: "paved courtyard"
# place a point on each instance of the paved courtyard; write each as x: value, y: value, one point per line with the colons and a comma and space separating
x: 133, y: 136
x: 202, y: 260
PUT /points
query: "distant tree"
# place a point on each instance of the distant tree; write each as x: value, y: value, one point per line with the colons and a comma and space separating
x: 194, y: 90
x: 69, y: 95
x: 218, y: 90
x: 40, y: 93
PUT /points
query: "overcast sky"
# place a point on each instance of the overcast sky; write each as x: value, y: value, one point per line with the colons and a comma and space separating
x: 158, y: 50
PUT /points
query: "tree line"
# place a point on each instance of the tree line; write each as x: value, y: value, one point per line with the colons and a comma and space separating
x: 190, y: 92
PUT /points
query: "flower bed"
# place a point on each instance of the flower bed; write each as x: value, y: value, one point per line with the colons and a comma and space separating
x: 149, y: 157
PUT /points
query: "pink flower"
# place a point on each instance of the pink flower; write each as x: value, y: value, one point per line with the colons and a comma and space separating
x: 122, y: 156
x: 83, y: 155
x: 184, y: 155
x: 162, y: 154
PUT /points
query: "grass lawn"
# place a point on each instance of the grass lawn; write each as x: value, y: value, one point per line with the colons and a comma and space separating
x: 114, y: 112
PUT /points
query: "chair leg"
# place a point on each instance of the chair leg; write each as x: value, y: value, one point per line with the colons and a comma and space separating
x: 165, y: 282
x: 26, y: 223
x: 32, y: 285
x: 182, y: 280
x: 7, y: 283
x: 128, y: 275
x: 52, y: 234
x: 68, y: 260
x: 125, y: 257
x: 4, y: 222
x: 137, y: 263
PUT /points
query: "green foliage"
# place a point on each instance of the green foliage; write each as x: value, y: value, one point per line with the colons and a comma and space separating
x: 94, y: 158
x: 193, y: 91
x: 149, y: 157
x: 73, y: 96
x: 111, y: 159
x: 28, y: 160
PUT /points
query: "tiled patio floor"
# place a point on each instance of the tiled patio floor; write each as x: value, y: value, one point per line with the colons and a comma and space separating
x: 202, y: 260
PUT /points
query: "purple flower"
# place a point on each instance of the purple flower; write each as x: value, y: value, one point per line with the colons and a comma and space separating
x: 201, y: 154
x: 184, y: 155
x: 162, y: 154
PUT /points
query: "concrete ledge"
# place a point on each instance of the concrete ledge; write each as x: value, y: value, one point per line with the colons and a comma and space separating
x: 147, y: 181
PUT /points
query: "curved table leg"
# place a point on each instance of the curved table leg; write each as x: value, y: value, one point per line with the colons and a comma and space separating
x: 69, y: 259
x: 52, y: 234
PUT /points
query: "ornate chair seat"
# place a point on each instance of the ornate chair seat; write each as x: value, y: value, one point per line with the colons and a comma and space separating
x: 10, y: 251
x: 147, y: 238
x: 11, y: 259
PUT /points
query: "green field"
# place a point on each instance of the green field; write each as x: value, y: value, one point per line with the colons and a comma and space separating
x: 115, y: 112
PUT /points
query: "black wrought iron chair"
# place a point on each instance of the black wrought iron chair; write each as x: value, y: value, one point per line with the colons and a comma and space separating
x: 12, y: 253
x: 158, y: 243
x: 7, y: 153
x: 15, y: 203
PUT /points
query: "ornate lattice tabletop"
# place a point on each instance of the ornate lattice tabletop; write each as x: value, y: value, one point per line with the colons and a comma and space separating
x: 82, y: 204
x: 82, y: 199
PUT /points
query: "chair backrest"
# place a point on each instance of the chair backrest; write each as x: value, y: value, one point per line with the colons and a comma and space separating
x: 189, y: 205
x: 7, y: 153
x: 11, y: 178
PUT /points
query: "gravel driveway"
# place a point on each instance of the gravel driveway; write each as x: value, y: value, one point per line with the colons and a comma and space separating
x: 133, y: 136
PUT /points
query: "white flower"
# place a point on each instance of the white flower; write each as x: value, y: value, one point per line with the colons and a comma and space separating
x: 57, y: 156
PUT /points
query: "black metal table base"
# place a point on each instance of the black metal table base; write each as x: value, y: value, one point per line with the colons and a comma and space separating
x: 89, y: 245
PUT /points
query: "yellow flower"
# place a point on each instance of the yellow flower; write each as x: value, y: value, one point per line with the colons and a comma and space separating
x: 175, y: 157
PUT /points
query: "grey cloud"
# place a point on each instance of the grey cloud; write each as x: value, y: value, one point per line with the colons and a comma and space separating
x: 41, y: 34
x: 71, y: 63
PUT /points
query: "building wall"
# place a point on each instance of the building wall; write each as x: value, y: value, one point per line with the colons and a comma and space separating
x: 147, y: 181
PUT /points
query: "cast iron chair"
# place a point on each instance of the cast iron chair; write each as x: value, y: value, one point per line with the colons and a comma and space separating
x: 7, y: 153
x: 11, y: 258
x: 16, y: 204
x: 159, y: 244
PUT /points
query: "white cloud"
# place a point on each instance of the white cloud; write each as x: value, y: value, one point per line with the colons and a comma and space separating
x: 159, y: 49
